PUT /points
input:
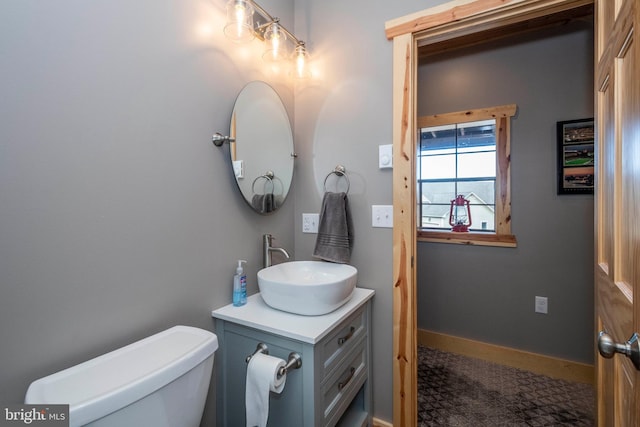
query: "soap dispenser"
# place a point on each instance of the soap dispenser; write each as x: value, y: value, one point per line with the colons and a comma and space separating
x: 239, y: 285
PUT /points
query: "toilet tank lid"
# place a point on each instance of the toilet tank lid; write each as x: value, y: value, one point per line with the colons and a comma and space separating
x: 109, y: 382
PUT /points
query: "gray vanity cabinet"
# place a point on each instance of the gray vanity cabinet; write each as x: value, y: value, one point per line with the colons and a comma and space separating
x: 332, y: 387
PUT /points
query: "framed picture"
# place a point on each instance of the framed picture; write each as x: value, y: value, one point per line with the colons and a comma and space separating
x: 575, y: 156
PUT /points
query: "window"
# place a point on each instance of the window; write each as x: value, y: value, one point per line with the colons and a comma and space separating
x: 457, y: 159
x: 465, y: 153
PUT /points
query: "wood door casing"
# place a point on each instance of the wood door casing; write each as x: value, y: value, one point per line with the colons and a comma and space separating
x: 617, y: 248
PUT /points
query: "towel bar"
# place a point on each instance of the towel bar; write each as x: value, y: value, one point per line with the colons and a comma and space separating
x: 268, y: 176
x: 339, y: 171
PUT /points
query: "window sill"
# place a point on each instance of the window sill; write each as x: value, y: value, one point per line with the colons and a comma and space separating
x: 470, y: 238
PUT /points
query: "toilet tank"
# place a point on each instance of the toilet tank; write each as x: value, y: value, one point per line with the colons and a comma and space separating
x: 161, y: 380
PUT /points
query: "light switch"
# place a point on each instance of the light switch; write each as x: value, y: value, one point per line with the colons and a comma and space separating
x: 385, y: 156
x: 382, y: 216
x: 238, y: 168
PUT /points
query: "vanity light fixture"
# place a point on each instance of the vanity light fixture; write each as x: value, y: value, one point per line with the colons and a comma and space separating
x: 247, y: 20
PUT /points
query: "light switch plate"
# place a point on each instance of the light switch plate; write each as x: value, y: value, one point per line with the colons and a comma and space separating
x: 382, y: 216
x: 310, y: 222
x: 385, y: 156
x: 238, y: 168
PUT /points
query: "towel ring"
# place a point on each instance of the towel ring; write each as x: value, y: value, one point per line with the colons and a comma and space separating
x: 340, y: 171
x: 268, y: 176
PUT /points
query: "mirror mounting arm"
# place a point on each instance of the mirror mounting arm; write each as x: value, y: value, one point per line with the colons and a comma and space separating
x: 218, y: 139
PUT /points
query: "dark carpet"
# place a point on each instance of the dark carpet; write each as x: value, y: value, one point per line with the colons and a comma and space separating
x: 455, y: 390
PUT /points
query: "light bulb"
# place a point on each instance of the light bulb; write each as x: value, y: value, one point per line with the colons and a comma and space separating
x: 301, y: 57
x: 275, y: 43
x: 240, y: 10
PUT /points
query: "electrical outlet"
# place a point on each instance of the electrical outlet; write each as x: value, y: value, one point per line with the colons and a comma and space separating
x: 310, y: 222
x: 382, y: 216
x: 542, y: 305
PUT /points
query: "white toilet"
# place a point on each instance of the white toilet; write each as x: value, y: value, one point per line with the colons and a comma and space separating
x: 160, y: 381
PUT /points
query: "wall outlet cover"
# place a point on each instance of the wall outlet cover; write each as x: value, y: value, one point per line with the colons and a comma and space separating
x: 542, y: 305
x: 310, y: 222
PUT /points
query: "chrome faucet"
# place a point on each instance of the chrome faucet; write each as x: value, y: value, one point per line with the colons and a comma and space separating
x: 267, y: 239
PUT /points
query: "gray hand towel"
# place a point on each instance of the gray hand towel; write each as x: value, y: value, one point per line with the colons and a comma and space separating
x: 335, y: 230
x: 263, y: 203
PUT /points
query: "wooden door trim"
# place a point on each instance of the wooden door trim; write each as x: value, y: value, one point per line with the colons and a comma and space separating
x: 456, y: 19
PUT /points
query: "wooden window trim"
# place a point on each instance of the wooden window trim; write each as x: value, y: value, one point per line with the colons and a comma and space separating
x: 502, y: 236
x: 470, y: 238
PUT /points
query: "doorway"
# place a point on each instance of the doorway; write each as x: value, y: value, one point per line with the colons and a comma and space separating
x: 486, y: 293
x: 450, y: 26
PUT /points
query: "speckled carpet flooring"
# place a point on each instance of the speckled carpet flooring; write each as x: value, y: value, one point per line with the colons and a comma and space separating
x: 459, y: 391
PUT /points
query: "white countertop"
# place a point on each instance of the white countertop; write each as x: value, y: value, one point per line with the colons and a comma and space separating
x: 310, y: 329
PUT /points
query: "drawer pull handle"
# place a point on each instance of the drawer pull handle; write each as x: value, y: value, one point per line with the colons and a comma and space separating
x: 342, y: 384
x: 344, y: 339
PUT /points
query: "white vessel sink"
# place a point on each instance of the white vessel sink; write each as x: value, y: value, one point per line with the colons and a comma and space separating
x: 310, y: 288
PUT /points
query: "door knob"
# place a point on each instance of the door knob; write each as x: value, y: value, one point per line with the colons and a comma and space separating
x: 607, y: 348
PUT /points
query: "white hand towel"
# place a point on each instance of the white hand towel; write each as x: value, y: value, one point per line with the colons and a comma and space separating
x: 262, y: 378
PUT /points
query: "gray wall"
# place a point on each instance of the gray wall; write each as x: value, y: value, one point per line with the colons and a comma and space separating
x: 118, y: 216
x: 485, y: 293
x: 342, y: 116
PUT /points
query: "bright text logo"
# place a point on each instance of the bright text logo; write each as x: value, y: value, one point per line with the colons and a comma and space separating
x: 35, y: 415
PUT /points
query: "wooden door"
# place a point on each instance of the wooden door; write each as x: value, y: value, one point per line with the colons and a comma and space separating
x: 617, y: 257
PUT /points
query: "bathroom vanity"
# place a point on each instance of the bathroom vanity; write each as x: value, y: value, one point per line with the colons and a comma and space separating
x: 332, y: 386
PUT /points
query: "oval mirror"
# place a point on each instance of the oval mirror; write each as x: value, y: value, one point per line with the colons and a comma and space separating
x: 262, y: 151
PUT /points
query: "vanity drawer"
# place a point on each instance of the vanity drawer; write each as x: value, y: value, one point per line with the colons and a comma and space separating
x: 339, y: 389
x: 335, y: 346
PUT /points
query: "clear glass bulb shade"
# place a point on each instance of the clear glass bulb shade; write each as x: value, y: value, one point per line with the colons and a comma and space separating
x: 239, y: 26
x: 301, y: 62
x: 276, y: 40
